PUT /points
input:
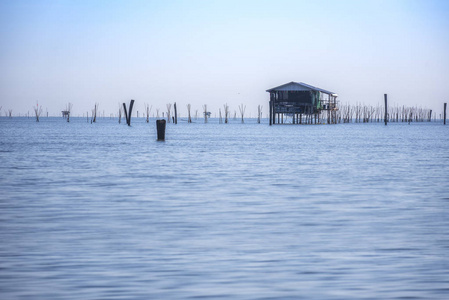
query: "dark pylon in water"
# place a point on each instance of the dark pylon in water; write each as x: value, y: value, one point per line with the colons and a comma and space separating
x: 128, y: 114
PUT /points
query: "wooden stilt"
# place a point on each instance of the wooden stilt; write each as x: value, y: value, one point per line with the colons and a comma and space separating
x: 271, y: 112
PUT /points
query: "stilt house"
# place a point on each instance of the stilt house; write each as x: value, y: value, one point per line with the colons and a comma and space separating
x: 302, y: 103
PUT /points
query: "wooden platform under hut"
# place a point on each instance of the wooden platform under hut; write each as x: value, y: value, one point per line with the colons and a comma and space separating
x: 300, y: 103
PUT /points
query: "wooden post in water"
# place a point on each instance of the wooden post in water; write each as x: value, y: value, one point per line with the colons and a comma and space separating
x: 160, y: 125
x: 131, y: 104
x: 205, y: 113
x: 128, y: 113
x: 386, y: 109
x: 176, y: 113
x: 189, y: 120
x: 444, y: 113
x: 94, y: 113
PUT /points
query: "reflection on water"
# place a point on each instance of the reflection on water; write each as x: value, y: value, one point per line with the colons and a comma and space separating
x: 237, y: 211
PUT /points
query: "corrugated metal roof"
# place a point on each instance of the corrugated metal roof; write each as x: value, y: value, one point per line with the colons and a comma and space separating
x: 295, y: 86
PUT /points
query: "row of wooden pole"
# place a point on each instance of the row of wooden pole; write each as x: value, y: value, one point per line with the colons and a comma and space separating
x: 271, y: 109
x: 386, y: 111
x: 390, y: 114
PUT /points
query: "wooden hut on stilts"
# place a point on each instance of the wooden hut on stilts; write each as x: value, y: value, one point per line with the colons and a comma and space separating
x: 301, y: 103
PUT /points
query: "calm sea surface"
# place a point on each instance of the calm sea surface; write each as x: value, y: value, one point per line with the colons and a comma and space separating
x: 230, y: 211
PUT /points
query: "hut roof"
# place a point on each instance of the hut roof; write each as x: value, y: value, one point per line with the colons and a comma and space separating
x: 295, y: 86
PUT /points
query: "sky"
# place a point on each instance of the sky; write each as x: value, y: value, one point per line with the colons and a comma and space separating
x: 218, y: 52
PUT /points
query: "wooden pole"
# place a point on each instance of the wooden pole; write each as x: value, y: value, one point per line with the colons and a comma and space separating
x: 176, y: 114
x: 271, y: 113
x: 335, y: 111
x: 386, y: 109
x: 131, y: 104
x: 126, y: 112
x: 444, y: 113
x: 276, y: 96
x: 274, y: 111
x: 160, y: 125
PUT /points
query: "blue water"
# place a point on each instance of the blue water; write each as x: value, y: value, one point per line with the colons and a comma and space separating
x: 229, y: 211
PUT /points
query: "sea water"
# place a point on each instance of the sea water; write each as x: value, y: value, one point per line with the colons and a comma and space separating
x: 223, y: 211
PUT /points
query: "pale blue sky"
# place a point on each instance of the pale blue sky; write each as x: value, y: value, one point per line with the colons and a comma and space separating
x: 217, y: 52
